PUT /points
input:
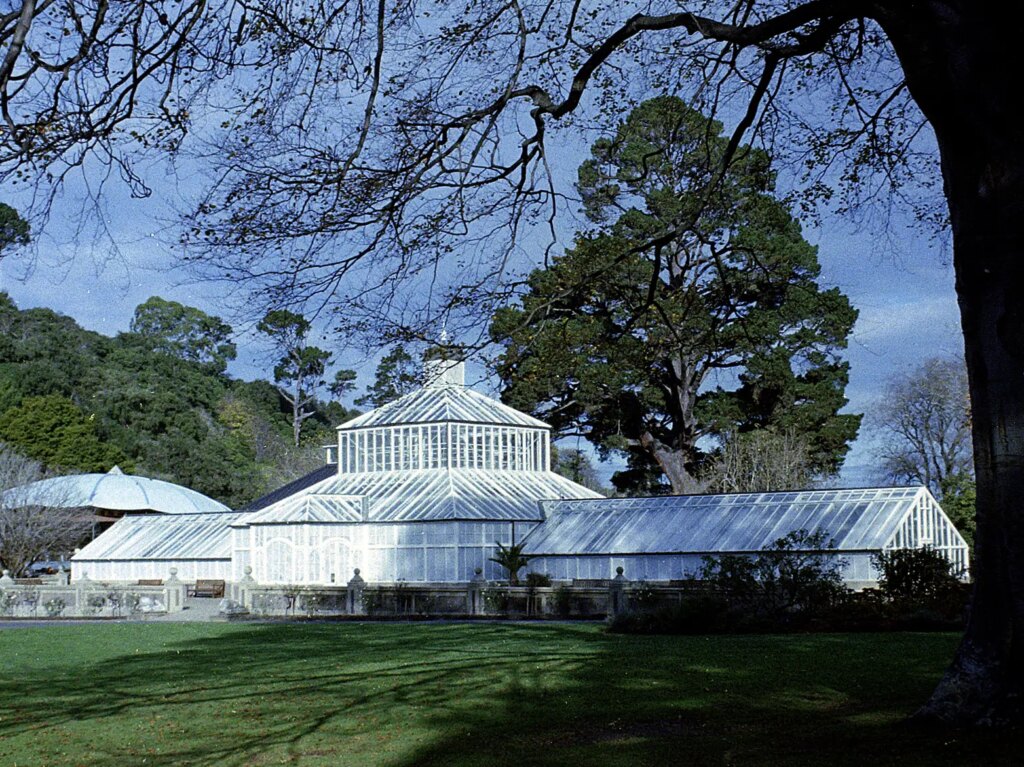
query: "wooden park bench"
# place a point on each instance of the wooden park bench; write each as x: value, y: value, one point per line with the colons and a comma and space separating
x: 151, y: 582
x: 207, y: 588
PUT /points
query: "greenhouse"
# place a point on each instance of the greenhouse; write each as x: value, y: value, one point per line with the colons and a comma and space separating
x: 423, y: 489
x: 140, y: 547
x: 667, y: 538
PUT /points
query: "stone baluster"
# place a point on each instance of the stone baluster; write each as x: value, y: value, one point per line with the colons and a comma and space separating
x: 245, y: 588
x: 475, y: 595
x: 356, y: 586
x: 175, y: 592
x: 83, y: 585
x: 616, y: 593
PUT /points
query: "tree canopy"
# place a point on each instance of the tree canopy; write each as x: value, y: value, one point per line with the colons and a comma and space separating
x: 299, y: 371
x: 184, y: 332
x: 623, y: 342
x: 55, y: 432
x: 14, y: 230
x: 924, y: 421
x: 397, y: 374
x: 924, y: 424
x: 78, y: 400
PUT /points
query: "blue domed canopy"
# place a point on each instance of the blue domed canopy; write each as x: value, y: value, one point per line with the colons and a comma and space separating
x: 113, y: 491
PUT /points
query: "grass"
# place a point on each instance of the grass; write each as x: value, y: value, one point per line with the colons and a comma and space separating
x: 479, y: 694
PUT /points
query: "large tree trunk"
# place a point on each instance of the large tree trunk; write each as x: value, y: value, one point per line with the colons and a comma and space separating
x: 675, y: 455
x: 675, y: 463
x: 963, y: 67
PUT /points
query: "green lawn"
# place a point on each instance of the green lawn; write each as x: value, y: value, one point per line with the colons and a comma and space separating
x: 480, y: 694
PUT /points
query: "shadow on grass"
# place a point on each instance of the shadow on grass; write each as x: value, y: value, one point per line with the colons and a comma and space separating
x: 474, y: 694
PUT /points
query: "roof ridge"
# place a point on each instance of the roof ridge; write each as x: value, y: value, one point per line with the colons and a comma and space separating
x: 444, y: 404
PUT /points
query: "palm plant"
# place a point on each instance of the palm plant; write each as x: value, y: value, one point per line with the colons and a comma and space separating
x: 512, y: 559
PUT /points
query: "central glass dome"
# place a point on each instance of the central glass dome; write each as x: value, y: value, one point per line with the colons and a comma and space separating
x: 444, y: 425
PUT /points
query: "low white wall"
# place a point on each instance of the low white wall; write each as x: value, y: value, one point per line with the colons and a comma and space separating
x: 188, y: 570
x: 87, y: 599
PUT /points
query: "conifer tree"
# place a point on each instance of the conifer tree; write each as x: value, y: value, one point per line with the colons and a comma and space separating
x: 718, y: 327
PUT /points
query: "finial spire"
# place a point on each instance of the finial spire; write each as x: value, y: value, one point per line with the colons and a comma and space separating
x: 442, y: 365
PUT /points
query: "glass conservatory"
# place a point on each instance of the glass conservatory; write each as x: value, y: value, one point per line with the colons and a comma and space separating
x: 666, y: 538
x: 425, y: 488
x: 422, y: 489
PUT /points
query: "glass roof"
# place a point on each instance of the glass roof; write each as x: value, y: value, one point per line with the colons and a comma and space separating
x: 442, y: 404
x: 862, y: 519
x: 403, y: 496
x: 178, y: 536
x: 310, y: 507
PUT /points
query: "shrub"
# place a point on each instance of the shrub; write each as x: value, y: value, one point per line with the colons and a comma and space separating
x: 311, y: 602
x: 796, y: 573
x: 94, y: 603
x: 496, y: 601
x: 537, y: 580
x: 262, y: 603
x: 644, y: 596
x: 563, y: 601
x: 115, y: 599
x: 8, y: 601
x: 915, y: 576
x: 55, y: 607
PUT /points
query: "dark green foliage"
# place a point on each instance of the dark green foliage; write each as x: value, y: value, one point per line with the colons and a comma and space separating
x: 799, y: 572
x: 148, y: 407
x: 959, y: 501
x: 537, y: 580
x: 397, y: 374
x: 512, y: 559
x: 643, y: 596
x: 14, y: 230
x: 698, y: 614
x: 619, y: 339
x: 563, y: 601
x: 576, y: 465
x: 343, y: 383
x: 915, y: 576
x: 300, y: 370
x: 184, y: 332
x: 42, y: 353
x: 54, y: 431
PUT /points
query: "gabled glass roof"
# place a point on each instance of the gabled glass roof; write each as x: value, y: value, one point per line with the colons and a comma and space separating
x: 177, y: 536
x: 422, y: 495
x: 440, y: 404
x: 862, y: 519
x: 309, y: 507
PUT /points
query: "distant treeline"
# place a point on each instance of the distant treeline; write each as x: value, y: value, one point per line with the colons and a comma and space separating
x: 156, y: 401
